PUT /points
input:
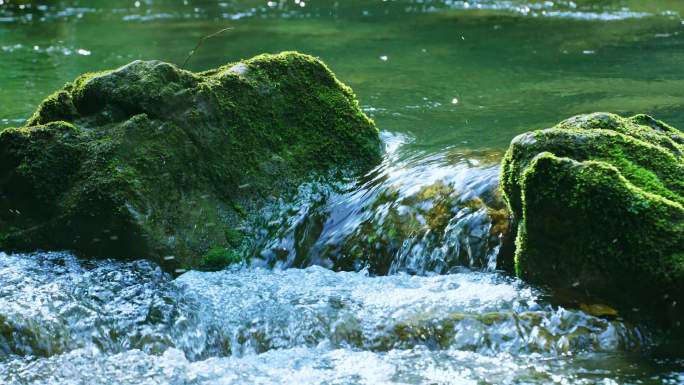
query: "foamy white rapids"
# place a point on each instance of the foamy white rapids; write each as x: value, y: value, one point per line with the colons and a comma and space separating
x: 63, y: 321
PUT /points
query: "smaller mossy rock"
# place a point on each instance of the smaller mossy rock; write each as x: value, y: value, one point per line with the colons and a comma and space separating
x: 152, y: 161
x: 598, y: 206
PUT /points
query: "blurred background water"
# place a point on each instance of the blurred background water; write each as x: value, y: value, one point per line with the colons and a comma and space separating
x: 449, y: 73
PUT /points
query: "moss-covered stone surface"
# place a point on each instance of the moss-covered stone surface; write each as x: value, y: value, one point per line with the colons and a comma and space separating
x: 149, y: 160
x: 598, y: 202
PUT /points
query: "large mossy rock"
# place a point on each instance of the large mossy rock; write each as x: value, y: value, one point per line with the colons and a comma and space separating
x: 149, y: 160
x: 598, y: 201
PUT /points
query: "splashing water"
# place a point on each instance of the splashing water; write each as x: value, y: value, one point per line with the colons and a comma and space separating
x: 443, y: 314
x: 64, y: 321
x: 418, y: 213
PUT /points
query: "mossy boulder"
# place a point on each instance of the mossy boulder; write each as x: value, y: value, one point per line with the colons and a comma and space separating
x: 598, y: 202
x: 153, y: 161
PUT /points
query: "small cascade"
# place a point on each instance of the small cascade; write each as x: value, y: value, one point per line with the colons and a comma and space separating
x: 418, y: 214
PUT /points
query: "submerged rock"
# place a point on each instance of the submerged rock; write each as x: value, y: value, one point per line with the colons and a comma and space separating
x: 153, y: 161
x: 434, y: 230
x: 598, y: 201
x: 421, y: 215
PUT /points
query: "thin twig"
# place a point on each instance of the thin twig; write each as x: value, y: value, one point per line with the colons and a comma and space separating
x: 199, y: 43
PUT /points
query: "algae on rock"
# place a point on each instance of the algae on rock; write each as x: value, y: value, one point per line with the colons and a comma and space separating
x: 149, y: 160
x: 433, y: 223
x: 599, y: 206
x: 433, y: 230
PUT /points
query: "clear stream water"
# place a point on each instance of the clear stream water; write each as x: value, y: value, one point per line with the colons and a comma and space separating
x: 449, y: 83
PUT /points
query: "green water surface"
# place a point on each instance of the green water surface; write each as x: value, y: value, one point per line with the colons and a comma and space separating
x: 447, y: 73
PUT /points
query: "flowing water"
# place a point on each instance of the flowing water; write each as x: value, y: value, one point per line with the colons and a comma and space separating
x: 390, y: 278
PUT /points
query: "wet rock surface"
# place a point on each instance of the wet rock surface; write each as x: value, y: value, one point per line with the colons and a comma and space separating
x: 443, y: 215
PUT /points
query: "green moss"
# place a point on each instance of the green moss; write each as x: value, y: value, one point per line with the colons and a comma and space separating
x: 56, y: 107
x: 39, y: 162
x: 637, y: 154
x: 599, y: 206
x: 602, y: 213
x: 234, y: 237
x: 420, y: 222
x: 239, y: 210
x: 218, y: 258
x: 153, y: 158
x: 441, y: 197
